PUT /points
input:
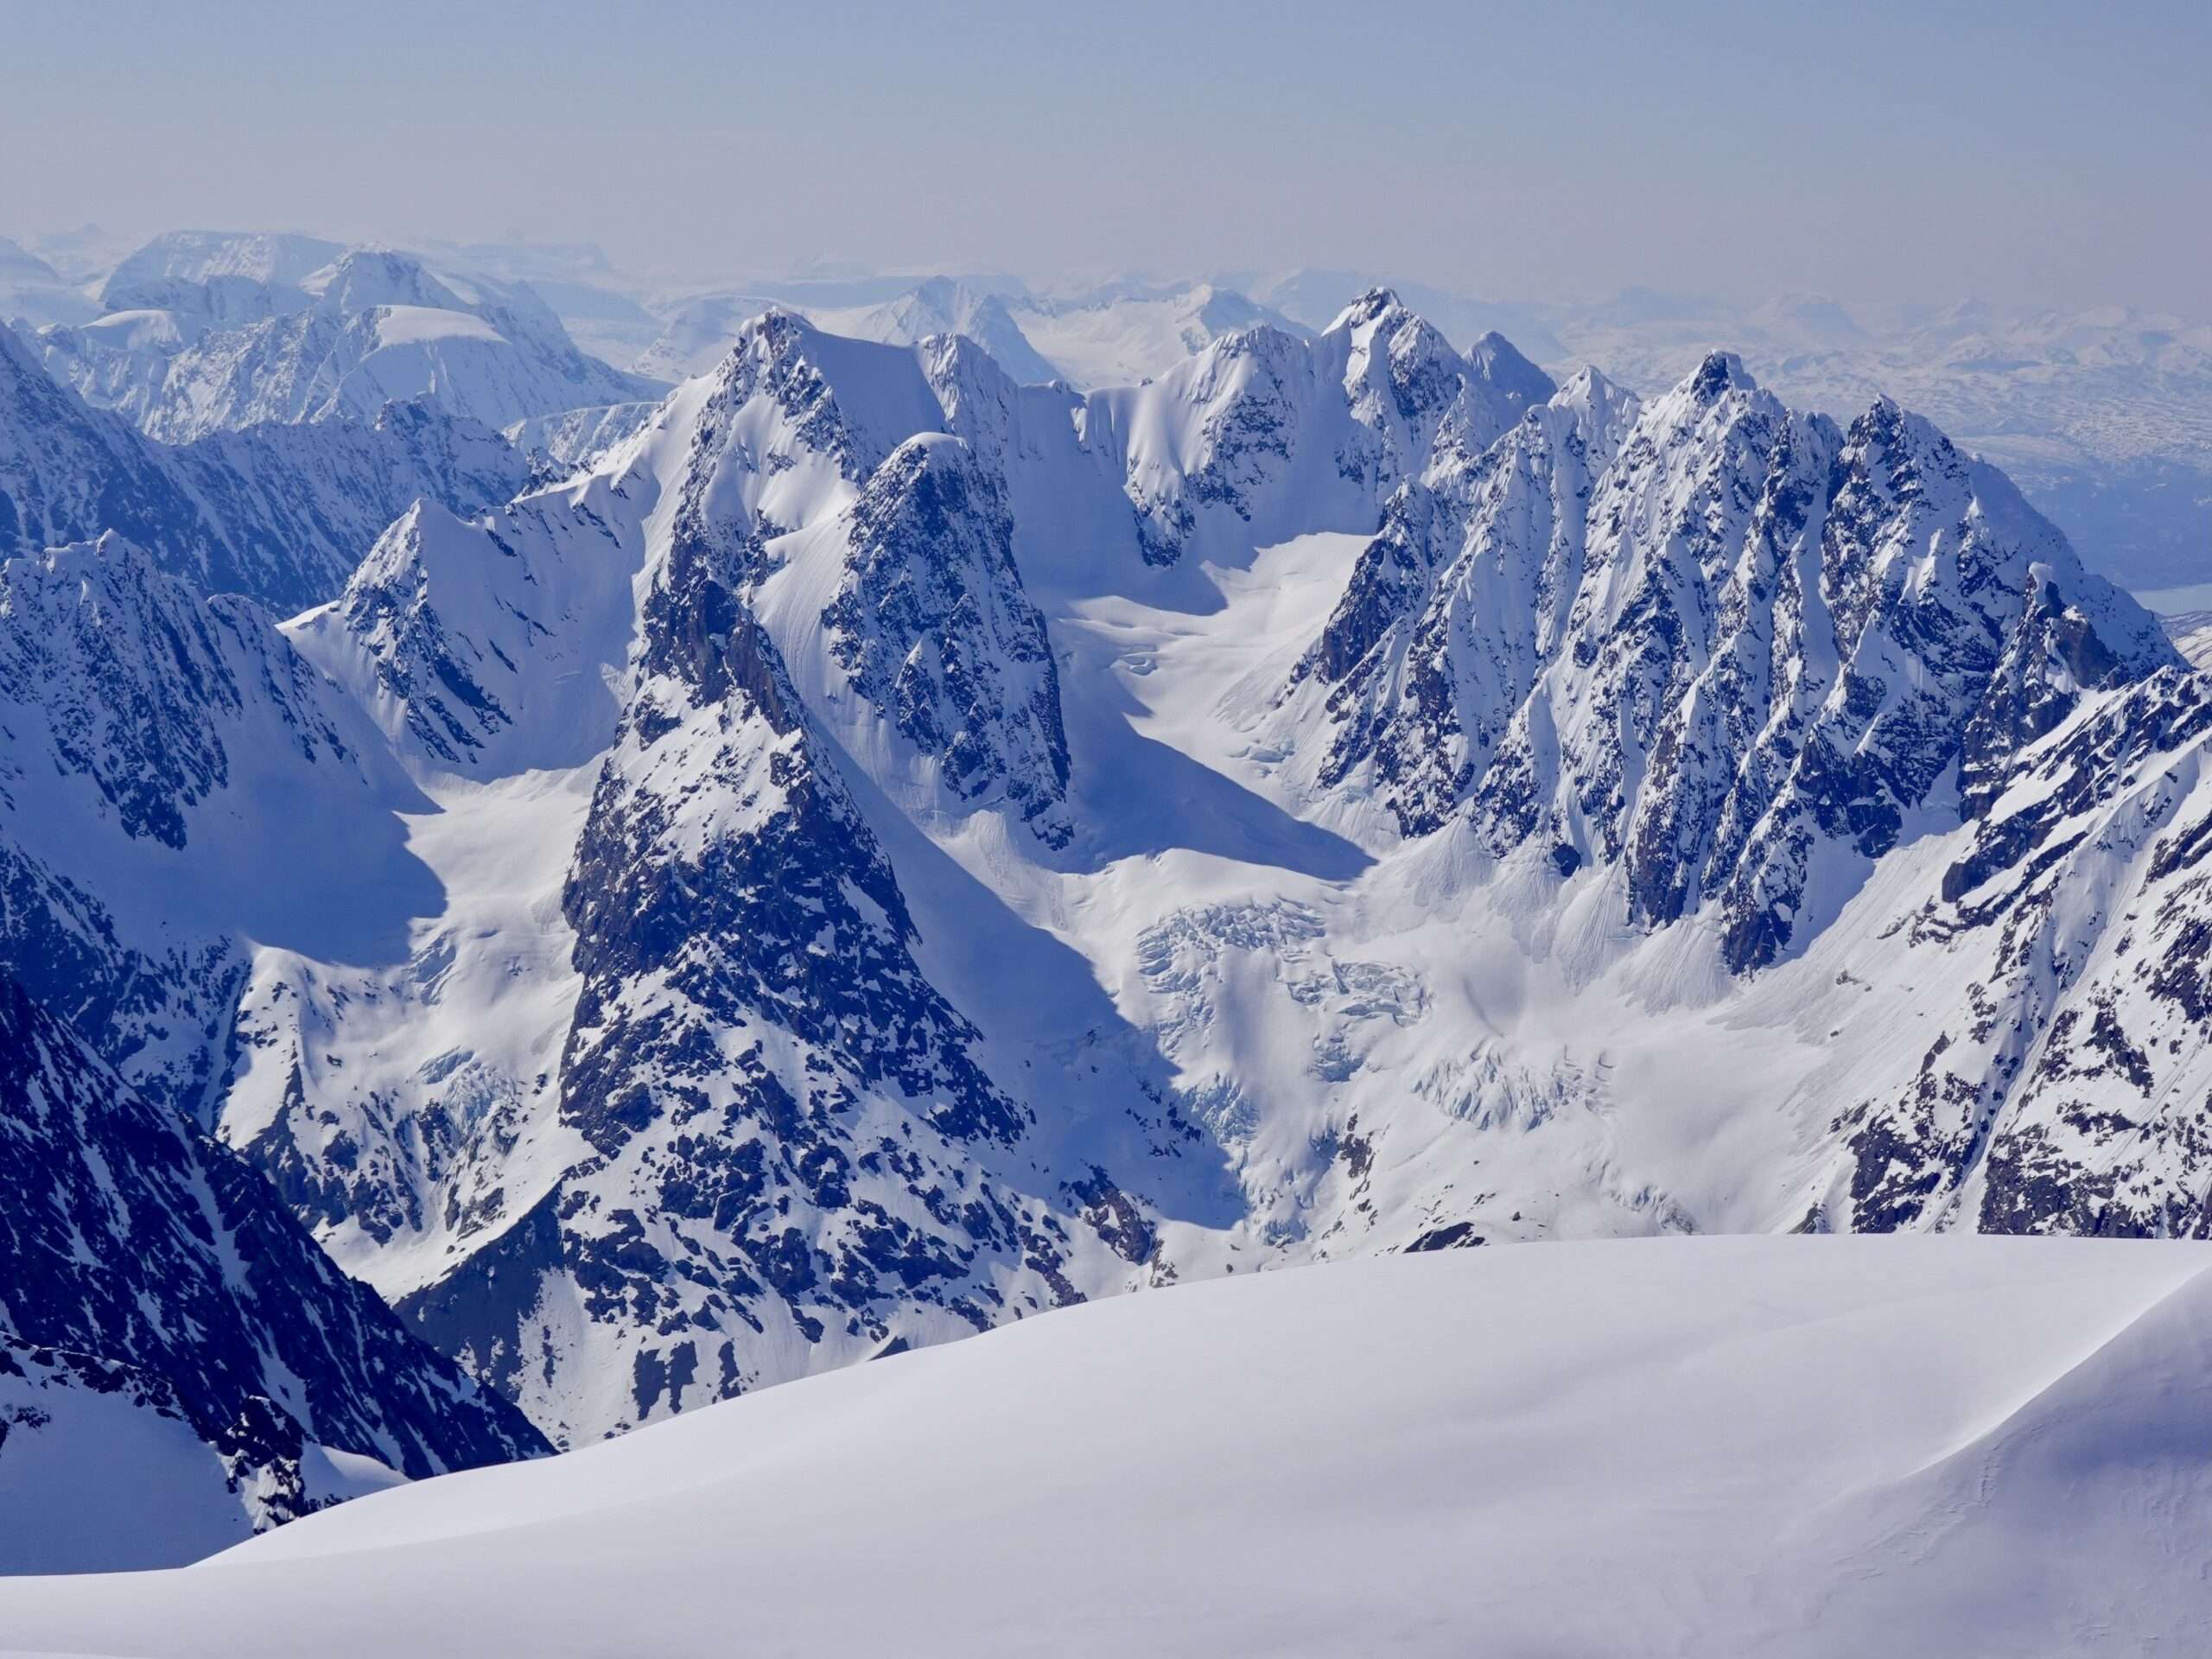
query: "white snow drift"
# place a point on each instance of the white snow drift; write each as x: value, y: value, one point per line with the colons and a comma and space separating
x: 1738, y: 1447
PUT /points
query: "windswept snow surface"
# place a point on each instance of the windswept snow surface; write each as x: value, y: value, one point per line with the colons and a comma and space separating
x: 1727, y: 1446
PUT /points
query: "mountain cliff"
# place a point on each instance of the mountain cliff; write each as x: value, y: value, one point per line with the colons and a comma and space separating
x: 162, y: 1303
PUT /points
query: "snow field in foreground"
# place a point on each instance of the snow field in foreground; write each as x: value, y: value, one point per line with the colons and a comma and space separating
x: 1722, y: 1445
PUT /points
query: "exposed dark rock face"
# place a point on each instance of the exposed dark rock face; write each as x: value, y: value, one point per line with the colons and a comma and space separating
x: 1453, y: 607
x: 932, y: 626
x: 790, y: 1135
x: 135, y: 707
x: 2067, y: 1105
x: 1731, y: 650
x: 133, y: 1241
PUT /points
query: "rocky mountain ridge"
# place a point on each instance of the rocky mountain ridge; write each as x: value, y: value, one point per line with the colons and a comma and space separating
x: 280, y: 512
x: 161, y: 1302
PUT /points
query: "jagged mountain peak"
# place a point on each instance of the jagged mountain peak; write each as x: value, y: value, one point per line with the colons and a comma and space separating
x: 1886, y: 427
x: 1366, y: 309
x: 1263, y: 426
x: 1718, y: 397
x: 1720, y: 606
x: 1260, y: 344
x: 847, y: 401
x: 1718, y: 372
x: 932, y: 626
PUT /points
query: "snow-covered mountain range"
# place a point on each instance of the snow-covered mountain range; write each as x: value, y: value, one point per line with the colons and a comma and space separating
x: 883, y: 848
x: 201, y: 332
x: 278, y: 511
x: 2100, y: 415
x: 2103, y: 415
x: 1103, y: 335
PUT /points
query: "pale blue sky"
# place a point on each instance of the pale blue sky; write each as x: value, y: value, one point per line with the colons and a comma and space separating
x: 2032, y: 153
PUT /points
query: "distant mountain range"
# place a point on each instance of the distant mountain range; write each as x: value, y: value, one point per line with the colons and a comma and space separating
x: 2101, y: 416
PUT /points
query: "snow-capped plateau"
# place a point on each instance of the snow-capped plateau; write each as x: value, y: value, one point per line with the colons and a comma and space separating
x: 1750, y: 1446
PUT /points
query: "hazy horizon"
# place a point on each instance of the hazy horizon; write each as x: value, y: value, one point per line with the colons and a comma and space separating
x: 2038, y: 160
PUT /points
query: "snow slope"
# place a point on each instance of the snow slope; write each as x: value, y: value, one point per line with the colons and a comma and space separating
x: 1749, y: 1447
